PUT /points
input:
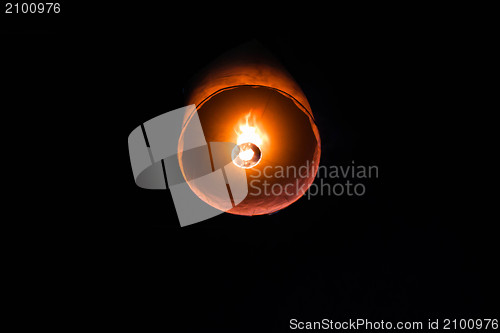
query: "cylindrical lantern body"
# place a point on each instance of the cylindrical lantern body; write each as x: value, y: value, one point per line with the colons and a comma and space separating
x: 249, y: 86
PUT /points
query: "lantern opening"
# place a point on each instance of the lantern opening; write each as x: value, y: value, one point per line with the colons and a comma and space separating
x: 279, y: 132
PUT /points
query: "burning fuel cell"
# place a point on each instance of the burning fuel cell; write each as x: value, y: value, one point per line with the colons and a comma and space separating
x: 247, y: 98
x: 246, y: 155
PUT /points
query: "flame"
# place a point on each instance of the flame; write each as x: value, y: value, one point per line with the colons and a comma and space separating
x: 246, y: 155
x: 249, y: 132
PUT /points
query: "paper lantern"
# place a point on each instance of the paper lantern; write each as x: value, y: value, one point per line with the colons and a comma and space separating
x: 247, y: 98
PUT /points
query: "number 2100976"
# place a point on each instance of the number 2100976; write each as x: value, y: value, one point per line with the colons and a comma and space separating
x: 33, y: 8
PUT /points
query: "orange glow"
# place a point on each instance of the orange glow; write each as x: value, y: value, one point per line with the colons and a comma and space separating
x: 246, y: 97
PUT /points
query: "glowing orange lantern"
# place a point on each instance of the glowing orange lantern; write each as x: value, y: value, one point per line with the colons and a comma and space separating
x: 247, y: 98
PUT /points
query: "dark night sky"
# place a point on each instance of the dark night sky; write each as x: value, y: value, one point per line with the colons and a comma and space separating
x: 386, y: 90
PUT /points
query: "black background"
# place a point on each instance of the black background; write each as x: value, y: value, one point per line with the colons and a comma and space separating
x: 392, y: 87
